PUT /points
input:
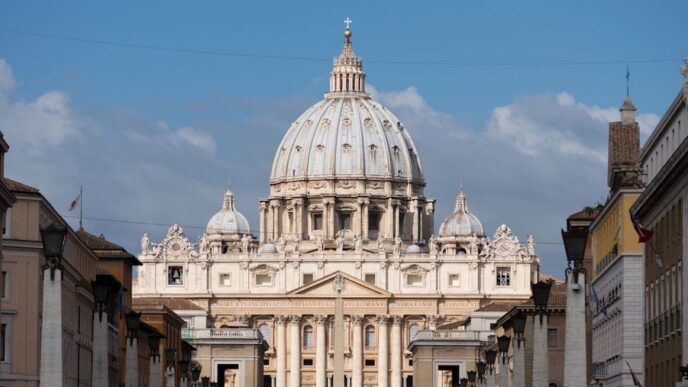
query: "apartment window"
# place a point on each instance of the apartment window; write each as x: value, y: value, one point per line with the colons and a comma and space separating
x: 307, y: 278
x: 454, y: 280
x: 308, y: 337
x: 370, y: 336
x: 225, y: 279
x: 370, y: 278
x: 5, y: 284
x: 552, y: 338
x: 503, y: 276
x: 415, y: 279
x: 3, y: 342
x: 345, y: 221
x: 174, y: 275
x: 263, y: 279
x: 317, y: 221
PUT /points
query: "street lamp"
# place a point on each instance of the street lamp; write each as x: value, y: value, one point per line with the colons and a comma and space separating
x: 541, y: 292
x: 101, y: 289
x: 53, y: 239
x: 195, y: 374
x: 464, y: 382
x: 490, y: 357
x: 574, y: 244
x: 205, y: 381
x: 169, y: 356
x: 184, y: 369
x: 154, y: 345
x: 503, y: 344
x: 132, y: 320
x: 519, y: 325
x: 481, y: 367
x: 471, y: 377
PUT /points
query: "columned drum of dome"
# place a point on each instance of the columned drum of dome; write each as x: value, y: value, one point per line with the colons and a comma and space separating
x: 347, y: 167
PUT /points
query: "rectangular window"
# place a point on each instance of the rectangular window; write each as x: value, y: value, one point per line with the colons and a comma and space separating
x: 308, y: 362
x: 414, y: 280
x: 454, y: 280
x: 318, y: 221
x: 307, y: 278
x: 5, y: 286
x: 503, y: 276
x: 344, y: 221
x: 370, y: 362
x: 266, y: 362
x: 552, y: 338
x: 374, y: 221
x: 370, y: 278
x: 3, y: 341
x: 174, y: 275
x: 225, y: 279
x: 6, y: 227
x: 263, y: 280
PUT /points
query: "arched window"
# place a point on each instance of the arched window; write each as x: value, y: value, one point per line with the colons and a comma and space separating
x: 461, y: 251
x: 308, y: 336
x: 265, y: 331
x: 224, y: 326
x: 413, y: 329
x: 370, y: 336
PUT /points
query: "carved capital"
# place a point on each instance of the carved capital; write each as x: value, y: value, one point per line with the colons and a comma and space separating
x: 357, y: 320
x: 321, y: 319
x: 397, y: 320
x: 281, y: 319
x: 294, y: 319
x: 382, y: 319
x: 363, y: 201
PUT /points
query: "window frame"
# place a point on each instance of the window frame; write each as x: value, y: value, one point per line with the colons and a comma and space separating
x: 370, y: 342
x: 365, y: 278
x: 221, y: 282
x: 458, y: 280
x: 181, y: 275
x: 499, y: 281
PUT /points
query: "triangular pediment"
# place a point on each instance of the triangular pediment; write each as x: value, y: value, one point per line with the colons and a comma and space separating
x: 353, y: 287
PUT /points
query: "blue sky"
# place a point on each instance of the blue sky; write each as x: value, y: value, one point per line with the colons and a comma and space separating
x: 154, y: 135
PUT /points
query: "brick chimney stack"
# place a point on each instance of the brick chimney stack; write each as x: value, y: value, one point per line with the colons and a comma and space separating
x: 624, y: 146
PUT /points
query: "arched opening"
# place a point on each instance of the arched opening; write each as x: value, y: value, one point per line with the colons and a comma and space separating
x: 308, y: 336
x: 412, y: 330
x: 265, y: 331
x: 374, y: 222
x: 370, y: 336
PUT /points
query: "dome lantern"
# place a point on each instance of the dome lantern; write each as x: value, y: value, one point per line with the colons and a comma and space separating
x: 347, y: 76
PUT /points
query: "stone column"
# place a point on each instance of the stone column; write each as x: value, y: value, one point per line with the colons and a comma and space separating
x: 540, y: 352
x: 281, y: 322
x: 397, y: 230
x: 504, y: 373
x: 382, y: 354
x: 321, y: 351
x: 357, y: 355
x: 51, y: 373
x: 295, y: 346
x: 575, y: 355
x: 490, y: 378
x: 100, y: 349
x: 396, y: 351
x: 389, y: 221
x: 169, y: 374
x: 519, y: 359
x: 131, y: 364
x: 262, y: 236
x: 154, y: 379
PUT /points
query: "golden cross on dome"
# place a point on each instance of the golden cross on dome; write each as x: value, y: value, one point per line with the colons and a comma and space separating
x: 347, y: 21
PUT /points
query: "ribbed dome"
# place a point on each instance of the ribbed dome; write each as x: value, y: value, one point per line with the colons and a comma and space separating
x: 228, y: 220
x: 461, y: 222
x: 347, y: 134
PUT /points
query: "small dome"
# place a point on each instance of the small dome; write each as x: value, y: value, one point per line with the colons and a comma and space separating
x: 268, y: 248
x: 413, y: 249
x: 228, y: 220
x: 461, y: 222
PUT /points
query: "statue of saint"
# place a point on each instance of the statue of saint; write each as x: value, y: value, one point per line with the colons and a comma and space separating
x: 380, y: 245
x: 340, y: 242
x: 473, y: 247
x: 145, y: 243
x: 320, y: 244
x: 397, y: 245
x: 358, y: 244
x: 433, y: 244
x: 296, y: 243
x: 245, y: 243
x: 203, y: 243
x: 280, y: 244
x: 531, y: 245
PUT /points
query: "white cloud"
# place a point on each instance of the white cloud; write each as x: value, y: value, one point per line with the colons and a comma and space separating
x: 198, y: 138
x: 7, y: 82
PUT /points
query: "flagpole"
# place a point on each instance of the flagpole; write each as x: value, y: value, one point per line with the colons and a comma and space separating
x: 81, y: 207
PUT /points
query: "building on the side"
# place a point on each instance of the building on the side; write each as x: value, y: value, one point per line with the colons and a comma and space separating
x: 556, y: 332
x: 618, y: 301
x: 22, y: 302
x: 663, y: 207
x: 346, y: 201
x: 116, y: 262
x: 6, y: 201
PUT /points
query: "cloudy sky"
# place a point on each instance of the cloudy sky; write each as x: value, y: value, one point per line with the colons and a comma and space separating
x: 153, y: 107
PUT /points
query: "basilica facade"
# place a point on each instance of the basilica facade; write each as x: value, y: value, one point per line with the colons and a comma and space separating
x: 346, y: 202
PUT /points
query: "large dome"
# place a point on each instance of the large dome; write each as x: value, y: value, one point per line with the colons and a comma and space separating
x: 461, y: 222
x: 347, y: 135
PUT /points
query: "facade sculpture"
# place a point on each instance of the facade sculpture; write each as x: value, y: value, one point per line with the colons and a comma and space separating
x: 347, y: 192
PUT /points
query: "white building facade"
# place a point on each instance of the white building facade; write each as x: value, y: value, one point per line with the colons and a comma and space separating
x: 346, y: 198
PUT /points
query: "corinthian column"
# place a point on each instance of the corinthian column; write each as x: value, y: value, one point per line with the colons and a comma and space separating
x: 382, y: 354
x: 295, y: 359
x: 357, y: 356
x: 281, y: 322
x: 320, y: 352
x: 396, y: 351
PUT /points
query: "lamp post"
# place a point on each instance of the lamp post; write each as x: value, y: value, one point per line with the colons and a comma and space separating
x: 131, y: 371
x: 51, y: 370
x: 154, y: 379
x: 490, y: 357
x: 471, y: 377
x: 540, y: 292
x: 169, y: 357
x: 575, y: 354
x: 205, y: 381
x: 503, y: 345
x: 464, y: 382
x: 195, y: 372
x: 100, y: 366
x: 481, y: 366
x: 518, y: 323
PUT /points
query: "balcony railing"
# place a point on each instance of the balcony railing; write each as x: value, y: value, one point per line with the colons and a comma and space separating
x: 221, y: 333
x: 446, y: 335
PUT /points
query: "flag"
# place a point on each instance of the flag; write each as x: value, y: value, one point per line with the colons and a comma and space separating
x: 636, y: 382
x: 596, y: 299
x: 75, y: 202
x: 644, y: 234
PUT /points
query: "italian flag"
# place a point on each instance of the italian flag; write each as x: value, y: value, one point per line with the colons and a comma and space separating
x: 75, y: 202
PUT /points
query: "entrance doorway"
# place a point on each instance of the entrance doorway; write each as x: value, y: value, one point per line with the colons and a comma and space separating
x: 450, y: 374
x: 228, y: 375
x: 267, y: 381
